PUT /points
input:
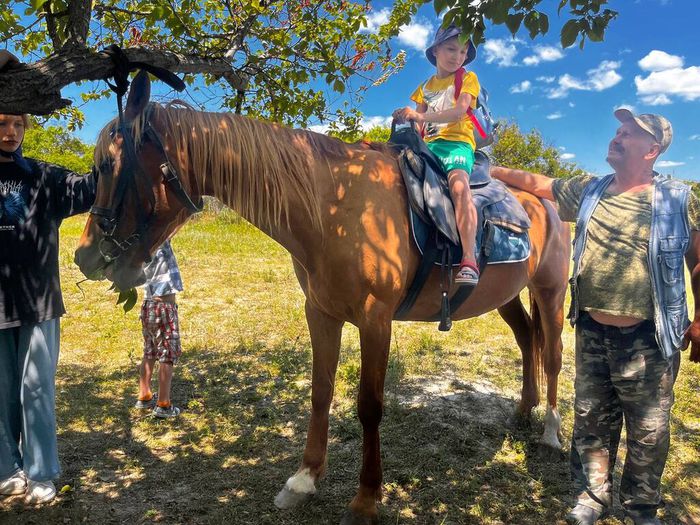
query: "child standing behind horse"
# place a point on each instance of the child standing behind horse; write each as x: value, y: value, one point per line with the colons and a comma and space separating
x: 449, y: 133
x: 161, y: 331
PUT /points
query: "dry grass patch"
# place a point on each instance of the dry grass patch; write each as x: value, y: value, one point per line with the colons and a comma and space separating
x: 451, y: 453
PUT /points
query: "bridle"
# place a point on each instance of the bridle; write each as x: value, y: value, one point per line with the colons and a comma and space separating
x: 110, y: 247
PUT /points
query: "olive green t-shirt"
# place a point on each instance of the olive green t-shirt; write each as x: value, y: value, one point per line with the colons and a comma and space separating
x: 614, y: 276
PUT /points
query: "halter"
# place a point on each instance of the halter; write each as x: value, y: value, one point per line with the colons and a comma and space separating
x: 109, y: 246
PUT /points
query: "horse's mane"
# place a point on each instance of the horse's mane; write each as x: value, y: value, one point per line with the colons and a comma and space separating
x: 253, y: 165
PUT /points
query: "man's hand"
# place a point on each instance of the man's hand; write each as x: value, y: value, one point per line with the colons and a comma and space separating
x: 692, y: 337
x: 402, y: 115
x: 6, y: 58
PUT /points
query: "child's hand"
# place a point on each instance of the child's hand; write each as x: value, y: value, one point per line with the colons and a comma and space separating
x: 403, y: 114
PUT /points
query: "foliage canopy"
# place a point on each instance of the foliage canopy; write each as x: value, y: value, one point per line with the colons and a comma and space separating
x: 290, y: 61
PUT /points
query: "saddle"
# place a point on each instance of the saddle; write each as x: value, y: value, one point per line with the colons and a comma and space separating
x: 502, y: 223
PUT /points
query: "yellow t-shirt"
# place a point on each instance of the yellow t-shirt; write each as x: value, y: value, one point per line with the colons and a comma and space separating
x: 439, y: 95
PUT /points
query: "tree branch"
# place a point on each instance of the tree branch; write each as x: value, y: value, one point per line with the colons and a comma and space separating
x: 36, y: 88
x: 79, y: 12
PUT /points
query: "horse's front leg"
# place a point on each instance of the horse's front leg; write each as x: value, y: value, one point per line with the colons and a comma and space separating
x: 325, y: 342
x: 375, y: 339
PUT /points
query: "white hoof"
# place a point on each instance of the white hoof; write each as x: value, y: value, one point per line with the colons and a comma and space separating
x: 298, y: 489
x: 552, y: 429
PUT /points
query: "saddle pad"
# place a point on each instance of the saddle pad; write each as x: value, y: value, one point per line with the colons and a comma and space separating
x: 508, y: 246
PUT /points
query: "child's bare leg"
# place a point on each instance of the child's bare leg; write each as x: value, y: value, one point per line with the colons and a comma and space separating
x: 465, y: 212
x: 145, y: 374
x: 165, y: 377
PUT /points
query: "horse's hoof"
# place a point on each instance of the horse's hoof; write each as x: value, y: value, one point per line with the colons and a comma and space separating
x: 287, y: 499
x: 521, y: 421
x: 549, y: 453
x: 352, y: 518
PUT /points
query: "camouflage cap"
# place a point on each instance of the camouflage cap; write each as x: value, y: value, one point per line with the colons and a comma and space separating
x: 657, y: 126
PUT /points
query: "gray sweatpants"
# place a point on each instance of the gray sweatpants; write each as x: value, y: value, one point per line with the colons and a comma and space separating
x: 28, y: 359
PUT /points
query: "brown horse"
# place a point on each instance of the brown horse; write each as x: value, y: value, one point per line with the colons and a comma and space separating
x: 341, y: 211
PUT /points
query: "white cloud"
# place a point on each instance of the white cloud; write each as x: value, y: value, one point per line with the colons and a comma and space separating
x: 660, y: 61
x: 669, y: 164
x: 500, y: 51
x: 319, y: 128
x: 415, y: 34
x: 546, y: 80
x: 694, y: 137
x: 657, y: 100
x: 567, y: 156
x: 368, y: 122
x: 554, y: 116
x: 543, y: 54
x: 375, y: 20
x: 600, y: 78
x: 683, y: 83
x: 523, y: 87
x: 572, y: 105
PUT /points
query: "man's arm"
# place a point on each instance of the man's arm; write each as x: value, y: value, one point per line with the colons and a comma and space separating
x: 539, y: 185
x: 692, y: 259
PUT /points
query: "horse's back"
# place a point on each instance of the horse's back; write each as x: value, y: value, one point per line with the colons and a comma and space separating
x: 500, y: 283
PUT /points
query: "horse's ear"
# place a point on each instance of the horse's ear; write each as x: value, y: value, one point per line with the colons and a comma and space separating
x: 139, y: 94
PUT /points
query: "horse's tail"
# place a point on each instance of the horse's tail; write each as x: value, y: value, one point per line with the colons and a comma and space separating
x: 537, y: 342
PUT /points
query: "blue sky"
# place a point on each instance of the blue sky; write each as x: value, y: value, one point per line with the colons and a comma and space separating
x: 649, y: 62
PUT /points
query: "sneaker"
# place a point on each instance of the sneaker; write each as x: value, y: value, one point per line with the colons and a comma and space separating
x: 15, y: 484
x: 166, y: 412
x: 39, y: 492
x: 583, y: 515
x: 151, y: 403
x: 467, y: 275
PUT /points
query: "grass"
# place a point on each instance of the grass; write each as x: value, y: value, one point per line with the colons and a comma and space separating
x: 451, y: 454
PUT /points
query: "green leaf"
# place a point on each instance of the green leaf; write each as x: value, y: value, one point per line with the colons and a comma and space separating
x: 440, y: 6
x: 544, y: 23
x: 569, y: 33
x: 562, y: 3
x: 532, y: 23
x: 132, y: 297
x: 123, y: 295
x: 339, y: 86
x: 513, y: 22
x: 37, y: 4
x: 597, y: 30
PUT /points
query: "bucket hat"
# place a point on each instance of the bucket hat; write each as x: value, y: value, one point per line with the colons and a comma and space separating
x: 444, y: 34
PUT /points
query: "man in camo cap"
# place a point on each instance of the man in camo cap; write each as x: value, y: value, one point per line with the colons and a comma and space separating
x: 633, y: 229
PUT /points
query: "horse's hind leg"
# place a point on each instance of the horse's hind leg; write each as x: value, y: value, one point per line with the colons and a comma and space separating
x: 550, y: 302
x: 325, y: 334
x: 514, y: 314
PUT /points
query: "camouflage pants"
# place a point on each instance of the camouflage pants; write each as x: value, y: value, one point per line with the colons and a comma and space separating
x: 620, y: 372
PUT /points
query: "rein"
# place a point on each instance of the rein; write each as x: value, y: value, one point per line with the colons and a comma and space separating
x: 109, y: 246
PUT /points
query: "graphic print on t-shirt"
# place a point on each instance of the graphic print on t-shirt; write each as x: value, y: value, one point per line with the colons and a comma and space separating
x: 13, y: 208
x: 438, y: 101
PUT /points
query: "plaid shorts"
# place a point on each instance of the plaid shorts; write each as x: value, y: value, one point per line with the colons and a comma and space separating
x: 161, y: 331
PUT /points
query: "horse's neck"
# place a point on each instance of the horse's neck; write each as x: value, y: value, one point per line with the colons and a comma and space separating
x: 293, y: 231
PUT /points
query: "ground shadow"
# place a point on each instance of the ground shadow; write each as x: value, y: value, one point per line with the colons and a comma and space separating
x: 451, y: 453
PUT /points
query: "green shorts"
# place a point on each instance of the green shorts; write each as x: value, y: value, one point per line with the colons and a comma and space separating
x: 453, y: 155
